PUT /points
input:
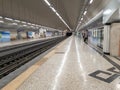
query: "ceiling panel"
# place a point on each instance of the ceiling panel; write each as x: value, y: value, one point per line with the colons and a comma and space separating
x: 95, y: 8
x: 36, y: 11
x: 69, y: 10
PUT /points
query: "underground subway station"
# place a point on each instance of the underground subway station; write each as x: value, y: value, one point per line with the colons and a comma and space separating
x: 59, y: 45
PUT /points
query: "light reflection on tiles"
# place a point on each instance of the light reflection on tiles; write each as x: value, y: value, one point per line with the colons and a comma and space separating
x: 62, y: 65
x: 70, y: 71
x: 79, y: 61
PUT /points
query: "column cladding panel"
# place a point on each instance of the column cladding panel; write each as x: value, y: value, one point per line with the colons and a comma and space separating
x: 106, y: 42
x: 115, y: 39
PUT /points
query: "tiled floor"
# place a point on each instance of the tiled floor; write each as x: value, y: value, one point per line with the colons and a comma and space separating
x: 74, y: 66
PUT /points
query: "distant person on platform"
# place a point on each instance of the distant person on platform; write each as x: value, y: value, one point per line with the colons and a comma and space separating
x: 85, y: 36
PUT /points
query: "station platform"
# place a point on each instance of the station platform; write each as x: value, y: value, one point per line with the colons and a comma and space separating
x: 4, y: 44
x: 72, y: 65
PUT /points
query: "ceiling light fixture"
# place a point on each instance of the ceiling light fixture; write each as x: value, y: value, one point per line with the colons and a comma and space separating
x: 10, y: 19
x: 23, y: 22
x: 85, y: 12
x: 17, y: 21
x: 14, y: 24
x: 46, y: 1
x: 108, y: 11
x: 1, y: 21
x: 53, y: 9
x: 33, y: 24
x: 57, y: 14
x: 81, y: 19
x: 91, y: 1
x: 37, y: 25
x: 1, y: 17
x: 29, y: 23
x: 24, y: 25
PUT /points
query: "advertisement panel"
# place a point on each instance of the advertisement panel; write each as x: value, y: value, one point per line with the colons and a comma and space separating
x: 49, y: 34
x: 4, y: 36
x: 31, y: 34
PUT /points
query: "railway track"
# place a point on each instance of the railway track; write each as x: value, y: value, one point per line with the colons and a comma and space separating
x: 15, y: 56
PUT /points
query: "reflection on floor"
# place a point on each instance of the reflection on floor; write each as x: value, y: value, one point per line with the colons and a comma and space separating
x: 74, y: 66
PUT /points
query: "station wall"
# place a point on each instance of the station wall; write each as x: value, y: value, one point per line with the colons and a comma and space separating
x: 4, y: 36
x: 95, y: 37
x: 13, y: 35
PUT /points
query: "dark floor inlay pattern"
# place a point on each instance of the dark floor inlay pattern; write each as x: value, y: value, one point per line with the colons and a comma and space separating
x: 59, y: 52
x: 112, y: 73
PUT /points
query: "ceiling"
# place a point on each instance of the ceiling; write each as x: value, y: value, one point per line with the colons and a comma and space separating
x: 37, y: 11
x: 93, y: 9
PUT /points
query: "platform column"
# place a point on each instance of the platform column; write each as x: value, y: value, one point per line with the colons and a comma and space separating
x: 115, y: 39
x: 106, y: 42
x: 19, y: 35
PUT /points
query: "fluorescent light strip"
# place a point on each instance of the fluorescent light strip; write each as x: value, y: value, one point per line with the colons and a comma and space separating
x: 24, y: 25
x: 47, y: 2
x: 108, y: 11
x: 23, y: 22
x: 1, y: 17
x: 14, y: 24
x: 1, y: 21
x: 85, y: 12
x: 33, y: 24
x: 57, y: 14
x: 29, y: 23
x: 53, y: 9
x: 10, y: 19
x: 81, y: 19
x: 17, y: 21
x: 37, y: 25
x: 91, y: 1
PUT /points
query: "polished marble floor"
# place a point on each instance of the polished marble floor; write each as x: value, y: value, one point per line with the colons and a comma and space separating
x: 73, y: 67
